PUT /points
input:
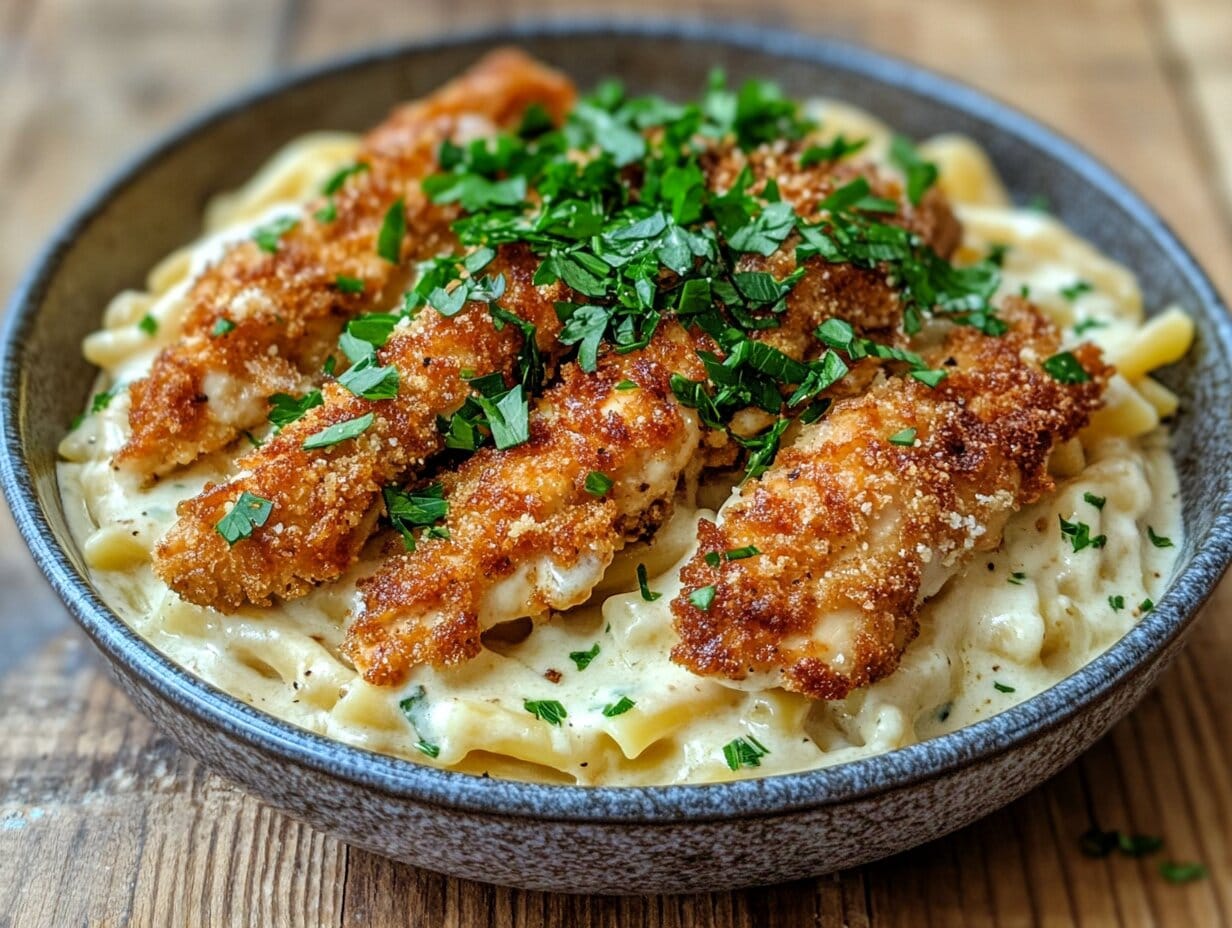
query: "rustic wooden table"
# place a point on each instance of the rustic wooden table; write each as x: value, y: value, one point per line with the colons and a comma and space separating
x: 103, y: 821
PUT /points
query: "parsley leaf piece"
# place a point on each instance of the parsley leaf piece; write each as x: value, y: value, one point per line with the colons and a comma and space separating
x: 248, y: 512
x: 222, y: 326
x: 597, y: 484
x: 1175, y: 872
x: 415, y: 711
x: 1116, y: 602
x: 409, y: 510
x: 1017, y: 577
x: 739, y: 554
x: 393, y: 231
x: 620, y: 707
x: 508, y: 418
x: 370, y: 381
x: 1096, y: 501
x: 626, y: 385
x: 713, y: 558
x: 1076, y: 289
x: 764, y: 447
x: 1138, y: 845
x: 585, y: 327
x: 1079, y: 535
x: 744, y: 752
x: 326, y: 213
x: 285, y: 408
x: 835, y: 150
x: 583, y: 658
x: 101, y: 400
x: 906, y: 438
x: 643, y: 583
x: 346, y: 284
x: 929, y: 377
x: 703, y: 597
x: 1146, y: 605
x: 1086, y: 325
x: 548, y: 710
x: 920, y: 174
x: 268, y: 236
x: 340, y: 177
x: 766, y: 232
x: 148, y: 324
x: 1003, y: 688
x: 1064, y: 368
x: 338, y: 432
x: 1159, y: 541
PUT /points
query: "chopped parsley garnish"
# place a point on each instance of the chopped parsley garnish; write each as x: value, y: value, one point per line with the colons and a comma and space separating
x: 703, y: 597
x: 906, y: 438
x: 598, y: 484
x: 371, y: 381
x: 1081, y: 328
x: 101, y: 400
x: 1175, y: 872
x: 1096, y: 842
x: 739, y: 554
x: 248, y: 512
x: 548, y: 710
x: 1146, y: 605
x: 415, y: 710
x: 1116, y: 602
x: 620, y: 707
x: 643, y: 583
x: 996, y: 254
x: 327, y: 213
x: 339, y: 432
x: 626, y: 385
x: 148, y: 324
x: 835, y: 150
x: 637, y: 246
x: 1017, y: 577
x: 920, y: 174
x: 393, y: 231
x: 1076, y: 289
x: 1159, y: 541
x: 744, y: 752
x: 222, y: 326
x: 1096, y: 501
x: 1079, y: 535
x: 712, y: 558
x: 583, y: 658
x: 346, y: 284
x: 412, y: 510
x: 269, y: 235
x: 1064, y: 368
x: 1003, y: 688
x: 252, y: 439
x: 285, y: 408
x: 340, y: 177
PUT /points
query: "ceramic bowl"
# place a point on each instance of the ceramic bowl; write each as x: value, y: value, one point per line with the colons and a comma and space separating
x: 657, y: 839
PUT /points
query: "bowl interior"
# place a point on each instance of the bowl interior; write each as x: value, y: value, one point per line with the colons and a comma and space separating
x: 156, y: 205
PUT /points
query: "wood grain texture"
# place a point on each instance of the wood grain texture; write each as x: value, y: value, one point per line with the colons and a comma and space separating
x: 103, y: 822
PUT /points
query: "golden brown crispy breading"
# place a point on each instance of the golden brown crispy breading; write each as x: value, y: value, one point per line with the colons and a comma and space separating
x: 286, y: 310
x: 855, y: 531
x: 325, y: 500
x: 525, y: 535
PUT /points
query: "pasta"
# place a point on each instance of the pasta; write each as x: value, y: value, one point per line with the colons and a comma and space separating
x: 1015, y: 622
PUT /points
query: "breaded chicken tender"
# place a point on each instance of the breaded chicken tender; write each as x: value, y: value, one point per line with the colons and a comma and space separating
x: 533, y: 528
x: 855, y: 531
x: 281, y: 312
x: 325, y: 500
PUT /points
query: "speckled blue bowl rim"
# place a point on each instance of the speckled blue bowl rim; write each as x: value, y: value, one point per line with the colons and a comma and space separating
x: 765, y: 797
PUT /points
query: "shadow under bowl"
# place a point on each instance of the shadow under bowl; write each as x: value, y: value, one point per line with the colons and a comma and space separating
x: 609, y: 840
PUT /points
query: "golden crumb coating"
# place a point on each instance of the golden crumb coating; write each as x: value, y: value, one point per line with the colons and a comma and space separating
x: 525, y: 534
x: 855, y: 531
x: 325, y: 500
x: 285, y: 307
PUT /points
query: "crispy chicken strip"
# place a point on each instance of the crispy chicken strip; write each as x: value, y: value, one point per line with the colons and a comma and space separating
x: 325, y: 501
x: 526, y: 534
x: 855, y: 531
x: 286, y: 310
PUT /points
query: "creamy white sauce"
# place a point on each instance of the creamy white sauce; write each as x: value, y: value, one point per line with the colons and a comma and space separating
x: 1010, y: 625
